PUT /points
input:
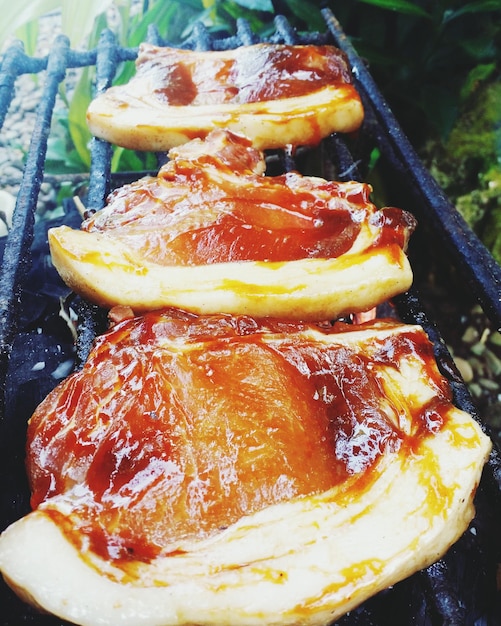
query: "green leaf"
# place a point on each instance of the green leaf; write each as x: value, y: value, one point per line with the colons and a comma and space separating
x: 256, y: 5
x: 478, y: 75
x: 61, y: 157
x: 480, y: 48
x: 79, y: 132
x: 308, y: 12
x: 122, y: 158
x: 15, y: 14
x: 441, y: 107
x: 400, y: 6
x: 78, y: 18
x: 473, y: 7
x: 492, y: 235
x: 162, y: 15
x: 125, y: 160
x: 28, y: 34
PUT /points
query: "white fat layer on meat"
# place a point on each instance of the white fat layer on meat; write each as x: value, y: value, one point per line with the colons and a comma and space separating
x: 270, y: 565
x: 305, y: 561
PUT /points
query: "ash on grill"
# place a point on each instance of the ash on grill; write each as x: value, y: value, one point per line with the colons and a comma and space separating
x: 39, y: 320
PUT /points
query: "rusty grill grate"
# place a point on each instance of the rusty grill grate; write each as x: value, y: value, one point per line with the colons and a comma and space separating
x: 460, y: 589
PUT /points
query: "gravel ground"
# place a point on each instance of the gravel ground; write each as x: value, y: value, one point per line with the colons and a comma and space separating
x: 18, y: 127
x: 474, y: 343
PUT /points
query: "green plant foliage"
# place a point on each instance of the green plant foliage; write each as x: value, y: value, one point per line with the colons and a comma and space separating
x: 28, y: 33
x: 256, y: 5
x: 401, y: 6
x: 77, y: 18
x: 421, y: 54
x: 79, y: 134
x: 438, y: 65
x: 17, y: 15
x: 62, y: 155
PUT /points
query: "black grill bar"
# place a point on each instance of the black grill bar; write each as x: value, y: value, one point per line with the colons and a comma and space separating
x: 448, y: 603
x: 466, y: 249
x: 108, y: 56
x: 10, y: 71
x: 101, y: 151
x: 15, y: 259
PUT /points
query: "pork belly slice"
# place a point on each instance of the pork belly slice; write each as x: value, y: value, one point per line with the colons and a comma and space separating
x: 277, y: 95
x: 211, y: 233
x: 224, y: 470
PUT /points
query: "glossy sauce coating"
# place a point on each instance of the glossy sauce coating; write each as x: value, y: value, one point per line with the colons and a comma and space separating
x: 213, y: 208
x: 179, y: 425
x: 248, y: 74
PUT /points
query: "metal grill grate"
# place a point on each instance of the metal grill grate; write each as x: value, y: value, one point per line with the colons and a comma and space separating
x: 458, y: 590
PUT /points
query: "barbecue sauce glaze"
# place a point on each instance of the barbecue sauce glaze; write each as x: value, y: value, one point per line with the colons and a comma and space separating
x: 179, y: 425
x: 209, y: 205
x: 248, y: 74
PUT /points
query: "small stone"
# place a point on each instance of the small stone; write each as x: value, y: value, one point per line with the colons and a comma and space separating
x: 478, y: 348
x: 478, y: 366
x: 45, y: 189
x: 475, y: 390
x: 10, y: 172
x: 31, y: 103
x: 493, y: 362
x: 489, y: 384
x: 465, y: 369
x: 495, y: 338
x: 7, y: 204
x: 470, y: 335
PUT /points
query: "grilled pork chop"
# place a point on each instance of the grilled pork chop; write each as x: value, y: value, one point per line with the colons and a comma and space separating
x: 274, y: 94
x: 224, y: 470
x: 212, y: 234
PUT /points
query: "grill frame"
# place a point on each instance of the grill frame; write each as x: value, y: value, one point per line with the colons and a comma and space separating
x: 433, y: 596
